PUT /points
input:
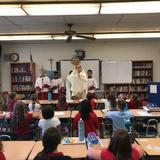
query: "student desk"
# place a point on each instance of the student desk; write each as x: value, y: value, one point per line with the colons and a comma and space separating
x: 73, y: 150
x: 17, y: 150
x: 151, y: 146
x: 46, y: 102
x: 99, y: 113
x: 142, y: 113
x: 57, y: 114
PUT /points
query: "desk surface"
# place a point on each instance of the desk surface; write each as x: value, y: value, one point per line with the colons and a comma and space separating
x: 43, y: 102
x: 73, y: 150
x: 143, y: 113
x: 58, y: 114
x: 99, y: 113
x: 150, y: 145
x: 17, y: 150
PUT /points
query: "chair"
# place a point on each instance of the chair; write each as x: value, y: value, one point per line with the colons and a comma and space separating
x: 152, y: 127
x: 106, y: 127
x: 5, y: 137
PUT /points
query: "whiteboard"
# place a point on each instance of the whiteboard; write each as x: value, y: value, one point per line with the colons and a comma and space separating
x: 117, y: 71
x: 66, y: 66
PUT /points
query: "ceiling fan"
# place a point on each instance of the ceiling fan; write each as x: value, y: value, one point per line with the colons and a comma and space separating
x: 70, y: 33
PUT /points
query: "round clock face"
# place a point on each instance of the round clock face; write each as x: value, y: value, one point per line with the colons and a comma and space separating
x: 14, y: 57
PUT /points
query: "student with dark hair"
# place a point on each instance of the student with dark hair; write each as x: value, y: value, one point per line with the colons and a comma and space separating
x: 21, y: 119
x: 92, y: 101
x: 34, y: 105
x: 62, y: 104
x: 48, y: 119
x: 2, y: 157
x: 51, y: 140
x: 57, y: 85
x: 120, y: 148
x: 12, y: 101
x: 120, y: 118
x: 112, y: 100
x: 135, y: 103
x: 92, y: 83
x: 88, y: 116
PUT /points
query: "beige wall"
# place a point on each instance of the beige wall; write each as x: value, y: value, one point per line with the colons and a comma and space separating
x: 110, y: 50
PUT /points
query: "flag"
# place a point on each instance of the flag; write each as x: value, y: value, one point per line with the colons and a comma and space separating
x: 31, y: 62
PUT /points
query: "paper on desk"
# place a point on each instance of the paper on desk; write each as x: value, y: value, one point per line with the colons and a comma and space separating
x: 59, y: 113
x: 143, y: 113
x: 153, y: 88
x: 153, y: 147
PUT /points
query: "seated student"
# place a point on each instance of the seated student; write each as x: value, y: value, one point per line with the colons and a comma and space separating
x: 111, y: 103
x: 120, y: 118
x: 62, y: 104
x: 88, y: 116
x: 34, y: 106
x: 134, y: 103
x: 12, y: 101
x: 92, y: 101
x: 48, y: 119
x: 21, y: 120
x: 120, y: 148
x: 2, y: 157
x: 51, y: 140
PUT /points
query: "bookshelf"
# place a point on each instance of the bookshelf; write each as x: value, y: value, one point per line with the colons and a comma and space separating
x: 23, y: 79
x: 142, y: 72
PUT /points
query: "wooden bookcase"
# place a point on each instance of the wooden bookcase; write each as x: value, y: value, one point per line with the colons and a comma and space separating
x: 142, y: 72
x: 23, y: 79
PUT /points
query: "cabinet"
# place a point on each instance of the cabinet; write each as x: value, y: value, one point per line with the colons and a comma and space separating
x: 23, y: 79
x: 142, y: 72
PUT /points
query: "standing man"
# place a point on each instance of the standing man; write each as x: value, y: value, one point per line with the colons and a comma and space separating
x: 42, y: 85
x: 92, y: 83
x: 78, y: 82
x: 57, y: 86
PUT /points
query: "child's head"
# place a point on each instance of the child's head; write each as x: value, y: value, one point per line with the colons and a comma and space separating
x: 89, y: 73
x: 85, y: 109
x: 89, y: 96
x: 13, y: 96
x: 47, y: 112
x: 62, y: 99
x: 120, y: 145
x: 19, y: 113
x: 51, y: 139
x: 121, y: 104
x: 34, y: 97
x: 56, y: 75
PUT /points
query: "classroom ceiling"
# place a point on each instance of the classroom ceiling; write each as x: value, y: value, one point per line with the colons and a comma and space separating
x: 81, y: 24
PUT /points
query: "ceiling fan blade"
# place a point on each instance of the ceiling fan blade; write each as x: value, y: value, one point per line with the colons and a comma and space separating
x: 69, y: 38
x: 86, y: 37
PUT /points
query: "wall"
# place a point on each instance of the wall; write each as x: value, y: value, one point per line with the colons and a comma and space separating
x: 109, y: 50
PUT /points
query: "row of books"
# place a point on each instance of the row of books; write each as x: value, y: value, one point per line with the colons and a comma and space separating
x: 142, y: 65
x: 22, y: 87
x: 20, y: 69
x: 141, y: 80
x: 138, y: 88
x: 24, y: 96
x: 142, y: 73
x: 21, y: 78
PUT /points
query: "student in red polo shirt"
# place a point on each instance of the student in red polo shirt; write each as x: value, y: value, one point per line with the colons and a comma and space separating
x: 51, y: 140
x: 88, y: 116
x: 21, y: 120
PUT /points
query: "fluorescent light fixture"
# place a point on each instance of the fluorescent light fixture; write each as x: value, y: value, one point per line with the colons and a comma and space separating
x: 64, y: 37
x: 130, y: 7
x: 11, y: 10
x: 61, y: 9
x: 25, y: 37
x: 126, y: 35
